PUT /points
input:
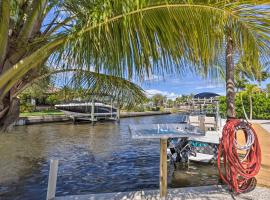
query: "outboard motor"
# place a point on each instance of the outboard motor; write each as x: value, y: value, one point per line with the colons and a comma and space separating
x: 180, y: 150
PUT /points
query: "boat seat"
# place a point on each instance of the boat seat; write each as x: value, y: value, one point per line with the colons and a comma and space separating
x: 194, y: 120
x: 210, y: 123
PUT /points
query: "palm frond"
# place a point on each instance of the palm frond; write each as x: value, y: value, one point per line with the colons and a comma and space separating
x: 102, y: 85
x: 97, y: 85
x: 4, y: 26
x: 130, y: 40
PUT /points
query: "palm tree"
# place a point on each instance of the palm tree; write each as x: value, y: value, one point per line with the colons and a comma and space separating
x: 250, y: 90
x: 158, y: 100
x: 170, y: 103
x: 127, y: 38
x: 244, y: 74
x: 268, y: 88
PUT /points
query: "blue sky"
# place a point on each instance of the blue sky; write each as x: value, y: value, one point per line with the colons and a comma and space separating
x: 173, y: 86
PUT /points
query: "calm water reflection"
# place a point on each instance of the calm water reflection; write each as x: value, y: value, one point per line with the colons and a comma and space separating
x: 95, y: 159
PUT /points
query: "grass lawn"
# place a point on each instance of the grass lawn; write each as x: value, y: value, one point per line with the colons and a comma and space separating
x: 41, y: 113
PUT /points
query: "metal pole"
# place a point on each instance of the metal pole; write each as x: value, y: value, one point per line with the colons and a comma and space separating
x: 218, y: 118
x: 52, y: 180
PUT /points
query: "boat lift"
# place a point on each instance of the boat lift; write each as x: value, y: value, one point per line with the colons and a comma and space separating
x: 91, y: 111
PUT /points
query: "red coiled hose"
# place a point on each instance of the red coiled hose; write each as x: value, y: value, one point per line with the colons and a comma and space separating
x: 239, y: 174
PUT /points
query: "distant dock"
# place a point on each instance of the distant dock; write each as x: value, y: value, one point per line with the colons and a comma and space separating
x: 63, y: 118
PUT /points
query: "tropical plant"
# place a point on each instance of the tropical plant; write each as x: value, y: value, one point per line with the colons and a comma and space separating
x: 243, y: 75
x: 250, y: 89
x: 182, y: 99
x: 52, y: 99
x: 268, y: 88
x: 126, y: 38
x: 88, y: 83
x: 170, y: 103
x: 260, y: 105
x: 158, y: 100
x: 36, y: 90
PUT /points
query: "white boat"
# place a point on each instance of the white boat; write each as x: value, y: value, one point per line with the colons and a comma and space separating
x: 198, y: 149
x: 86, y: 112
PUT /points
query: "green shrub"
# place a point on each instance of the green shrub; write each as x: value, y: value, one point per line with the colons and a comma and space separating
x: 260, y: 105
x: 52, y: 99
x: 138, y: 108
x: 157, y: 108
x: 26, y: 107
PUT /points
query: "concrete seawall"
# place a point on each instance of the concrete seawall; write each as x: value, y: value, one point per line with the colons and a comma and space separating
x: 140, y: 114
x: 41, y: 119
x: 62, y: 118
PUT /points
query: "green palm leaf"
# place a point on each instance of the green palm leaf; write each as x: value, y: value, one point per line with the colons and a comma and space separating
x: 166, y: 38
x: 99, y: 85
x: 134, y: 39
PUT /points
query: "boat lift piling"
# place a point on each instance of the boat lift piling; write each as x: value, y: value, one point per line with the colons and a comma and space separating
x: 52, y: 180
x: 93, y: 112
x: 118, y: 112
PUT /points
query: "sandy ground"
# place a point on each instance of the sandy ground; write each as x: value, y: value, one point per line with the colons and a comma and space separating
x: 264, y: 139
x: 264, y: 123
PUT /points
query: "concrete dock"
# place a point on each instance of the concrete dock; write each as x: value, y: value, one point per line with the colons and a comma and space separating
x: 195, y: 193
x: 262, y: 191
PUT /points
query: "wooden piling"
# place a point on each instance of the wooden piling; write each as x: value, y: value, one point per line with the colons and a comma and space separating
x: 163, y: 169
x: 118, y: 112
x: 52, y: 180
x: 93, y: 111
x: 202, y: 123
x: 111, y: 107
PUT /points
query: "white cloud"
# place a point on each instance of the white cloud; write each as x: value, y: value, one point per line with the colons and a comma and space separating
x: 169, y: 95
x: 153, y: 77
x: 208, y: 87
x: 222, y: 93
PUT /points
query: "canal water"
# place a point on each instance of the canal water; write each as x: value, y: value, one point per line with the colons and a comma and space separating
x: 92, y: 159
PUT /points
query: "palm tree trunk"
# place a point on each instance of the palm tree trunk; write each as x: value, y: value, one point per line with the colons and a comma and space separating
x: 9, y: 113
x: 230, y: 87
x: 243, y: 107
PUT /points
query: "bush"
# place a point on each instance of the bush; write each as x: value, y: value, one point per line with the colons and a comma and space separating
x: 52, y: 99
x: 138, y: 108
x: 155, y: 108
x: 134, y: 108
x: 26, y: 107
x: 260, y: 105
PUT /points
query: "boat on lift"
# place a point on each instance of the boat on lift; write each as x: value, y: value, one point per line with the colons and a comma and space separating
x: 203, y: 149
x: 88, y: 111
